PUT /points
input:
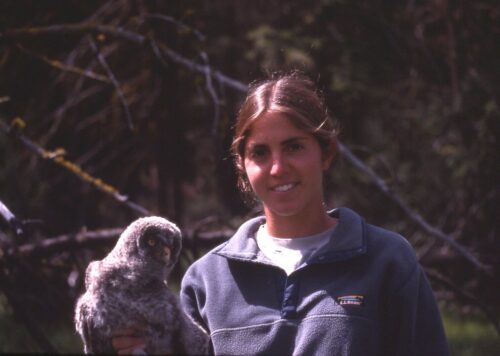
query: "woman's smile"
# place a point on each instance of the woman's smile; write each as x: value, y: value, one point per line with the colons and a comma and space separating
x: 284, y: 166
x: 284, y: 187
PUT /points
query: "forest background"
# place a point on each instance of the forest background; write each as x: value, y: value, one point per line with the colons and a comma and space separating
x: 110, y: 110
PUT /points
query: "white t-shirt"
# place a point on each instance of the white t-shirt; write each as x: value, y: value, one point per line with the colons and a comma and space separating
x: 290, y: 253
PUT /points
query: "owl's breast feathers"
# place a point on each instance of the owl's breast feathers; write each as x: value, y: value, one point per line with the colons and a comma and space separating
x: 113, y: 277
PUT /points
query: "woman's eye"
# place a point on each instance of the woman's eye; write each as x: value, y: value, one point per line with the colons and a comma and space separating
x: 258, y: 153
x: 293, y: 147
x: 151, y: 242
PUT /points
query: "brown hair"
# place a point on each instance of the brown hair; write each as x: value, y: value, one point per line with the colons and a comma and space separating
x: 292, y: 95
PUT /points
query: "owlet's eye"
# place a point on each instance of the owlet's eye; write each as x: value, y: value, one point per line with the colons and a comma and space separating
x: 151, y: 242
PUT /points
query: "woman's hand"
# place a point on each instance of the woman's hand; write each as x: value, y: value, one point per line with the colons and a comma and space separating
x: 128, y: 342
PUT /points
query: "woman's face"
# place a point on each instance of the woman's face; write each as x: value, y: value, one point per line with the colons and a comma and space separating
x: 284, y: 166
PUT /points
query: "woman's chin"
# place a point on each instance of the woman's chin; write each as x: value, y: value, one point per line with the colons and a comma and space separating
x: 284, y: 212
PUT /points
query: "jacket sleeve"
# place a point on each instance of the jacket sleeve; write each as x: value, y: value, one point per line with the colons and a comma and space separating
x: 413, y: 325
x: 192, y: 299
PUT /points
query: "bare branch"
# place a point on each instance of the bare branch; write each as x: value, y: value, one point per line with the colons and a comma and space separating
x: 85, y: 239
x: 64, y: 242
x: 85, y: 28
x: 59, y: 114
x: 57, y: 157
x: 413, y: 215
x: 113, y: 80
x: 6, y: 213
x: 73, y: 29
x: 196, y: 67
x: 212, y: 92
x: 181, y: 25
x: 10, y: 219
x: 464, y: 295
x: 65, y: 68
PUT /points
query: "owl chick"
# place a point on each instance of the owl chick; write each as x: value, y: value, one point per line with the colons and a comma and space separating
x: 128, y: 289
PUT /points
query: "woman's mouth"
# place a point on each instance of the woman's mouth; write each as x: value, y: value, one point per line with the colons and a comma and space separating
x: 283, y: 187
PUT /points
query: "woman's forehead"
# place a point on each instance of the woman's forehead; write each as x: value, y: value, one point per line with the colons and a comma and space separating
x: 274, y: 127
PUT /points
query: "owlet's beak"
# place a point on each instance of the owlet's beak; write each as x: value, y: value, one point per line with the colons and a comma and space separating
x: 166, y: 254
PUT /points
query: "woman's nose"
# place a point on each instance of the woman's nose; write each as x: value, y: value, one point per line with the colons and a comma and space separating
x: 278, y: 165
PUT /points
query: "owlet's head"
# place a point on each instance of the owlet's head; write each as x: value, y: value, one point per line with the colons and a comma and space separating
x: 155, y: 239
x: 160, y: 240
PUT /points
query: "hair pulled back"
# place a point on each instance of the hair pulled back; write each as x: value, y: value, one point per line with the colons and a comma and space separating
x: 292, y: 95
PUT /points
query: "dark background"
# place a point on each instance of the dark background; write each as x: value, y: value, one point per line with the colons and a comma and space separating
x: 146, y: 104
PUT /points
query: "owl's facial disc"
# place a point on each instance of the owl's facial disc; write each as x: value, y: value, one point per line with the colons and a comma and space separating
x: 158, y: 246
x: 154, y: 244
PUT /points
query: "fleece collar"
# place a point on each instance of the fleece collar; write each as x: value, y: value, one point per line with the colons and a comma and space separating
x: 346, y: 241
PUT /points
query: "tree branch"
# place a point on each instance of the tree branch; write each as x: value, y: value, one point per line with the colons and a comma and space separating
x: 83, y: 239
x: 57, y: 157
x: 179, y: 24
x: 65, y: 68
x: 11, y: 219
x: 113, y: 80
x: 60, y: 243
x: 73, y: 29
x: 413, y: 215
x: 86, y: 27
x: 465, y: 295
x: 212, y: 93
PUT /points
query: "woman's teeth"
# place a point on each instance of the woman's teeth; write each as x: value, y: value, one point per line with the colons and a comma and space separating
x: 283, y: 188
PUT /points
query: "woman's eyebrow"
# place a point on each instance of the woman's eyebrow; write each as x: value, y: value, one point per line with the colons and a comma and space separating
x: 253, y: 145
x: 293, y: 140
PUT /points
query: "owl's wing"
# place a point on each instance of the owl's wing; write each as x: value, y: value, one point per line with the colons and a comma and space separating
x: 91, y: 273
x: 94, y: 340
x: 82, y: 321
x: 88, y: 336
x: 89, y: 309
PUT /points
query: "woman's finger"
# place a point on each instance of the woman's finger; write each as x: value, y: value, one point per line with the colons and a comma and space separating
x: 126, y: 342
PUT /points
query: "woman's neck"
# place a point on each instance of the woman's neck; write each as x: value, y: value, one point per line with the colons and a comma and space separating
x: 298, y: 226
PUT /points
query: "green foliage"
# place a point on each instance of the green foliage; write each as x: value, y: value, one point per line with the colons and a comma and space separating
x: 14, y: 337
x: 470, y: 336
x: 280, y: 49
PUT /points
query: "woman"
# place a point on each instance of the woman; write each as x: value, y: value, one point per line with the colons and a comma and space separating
x: 301, y: 280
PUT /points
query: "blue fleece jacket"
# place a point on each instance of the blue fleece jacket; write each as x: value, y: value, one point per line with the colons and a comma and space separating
x: 364, y: 293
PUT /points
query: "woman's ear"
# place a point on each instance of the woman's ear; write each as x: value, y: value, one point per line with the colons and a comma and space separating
x: 329, y: 154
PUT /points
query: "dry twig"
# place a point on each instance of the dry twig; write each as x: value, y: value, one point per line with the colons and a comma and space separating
x: 113, y: 80
x: 57, y: 157
x: 66, y: 68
